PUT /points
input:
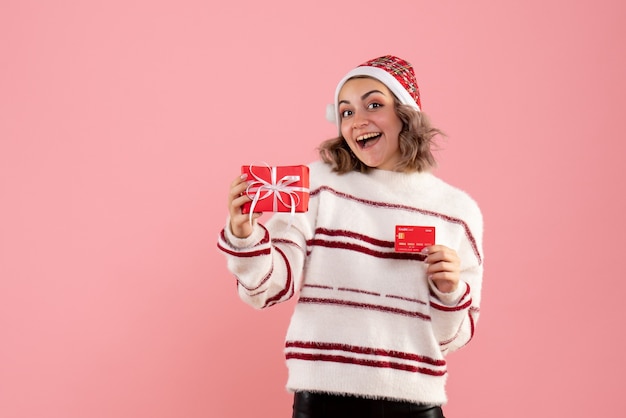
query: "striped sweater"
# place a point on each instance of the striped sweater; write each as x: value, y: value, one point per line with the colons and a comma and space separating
x: 367, y: 321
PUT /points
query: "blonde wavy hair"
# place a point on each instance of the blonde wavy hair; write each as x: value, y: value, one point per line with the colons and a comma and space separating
x: 416, y: 142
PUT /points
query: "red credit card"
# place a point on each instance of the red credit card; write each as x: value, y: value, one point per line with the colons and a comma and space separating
x: 410, y: 238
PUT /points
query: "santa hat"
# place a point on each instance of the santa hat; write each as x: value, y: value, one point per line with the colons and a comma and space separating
x: 395, y: 73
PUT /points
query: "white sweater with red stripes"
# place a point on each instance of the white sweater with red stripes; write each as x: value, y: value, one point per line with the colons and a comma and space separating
x: 367, y: 321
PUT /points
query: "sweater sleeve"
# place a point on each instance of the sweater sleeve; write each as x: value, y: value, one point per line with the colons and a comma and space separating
x: 268, y: 264
x: 454, y: 315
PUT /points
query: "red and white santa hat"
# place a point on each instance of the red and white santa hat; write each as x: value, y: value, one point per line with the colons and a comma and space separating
x: 395, y: 73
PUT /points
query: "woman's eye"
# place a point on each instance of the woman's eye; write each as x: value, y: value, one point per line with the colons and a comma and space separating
x: 374, y: 105
x: 346, y: 113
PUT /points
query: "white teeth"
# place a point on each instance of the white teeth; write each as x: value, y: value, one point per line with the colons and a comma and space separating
x: 367, y: 136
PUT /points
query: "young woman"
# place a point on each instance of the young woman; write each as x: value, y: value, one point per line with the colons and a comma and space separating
x: 372, y: 325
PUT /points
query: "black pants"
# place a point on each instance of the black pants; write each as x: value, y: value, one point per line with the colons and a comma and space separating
x: 319, y: 405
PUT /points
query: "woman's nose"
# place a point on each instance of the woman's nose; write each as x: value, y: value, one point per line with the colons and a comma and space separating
x: 359, y: 120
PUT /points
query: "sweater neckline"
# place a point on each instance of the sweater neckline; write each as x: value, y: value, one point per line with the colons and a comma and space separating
x: 400, y: 178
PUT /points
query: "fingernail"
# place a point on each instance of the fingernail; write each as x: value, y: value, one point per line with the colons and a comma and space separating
x: 424, y: 250
x: 244, y: 176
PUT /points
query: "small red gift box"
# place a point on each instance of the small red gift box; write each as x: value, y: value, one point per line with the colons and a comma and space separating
x: 277, y: 189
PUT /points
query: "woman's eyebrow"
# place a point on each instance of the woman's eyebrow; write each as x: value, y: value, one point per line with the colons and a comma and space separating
x: 370, y: 93
x: 365, y: 96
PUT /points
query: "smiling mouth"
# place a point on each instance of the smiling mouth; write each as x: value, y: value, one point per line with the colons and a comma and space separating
x: 363, y: 140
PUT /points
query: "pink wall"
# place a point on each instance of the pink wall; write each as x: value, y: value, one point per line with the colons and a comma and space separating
x: 122, y: 123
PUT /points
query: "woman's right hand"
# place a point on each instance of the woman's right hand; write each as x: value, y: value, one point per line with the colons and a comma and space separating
x: 239, y: 222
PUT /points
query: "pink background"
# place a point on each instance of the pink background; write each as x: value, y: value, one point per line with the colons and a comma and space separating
x: 123, y: 122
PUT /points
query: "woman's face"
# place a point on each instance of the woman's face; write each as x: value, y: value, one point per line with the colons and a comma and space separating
x: 369, y: 123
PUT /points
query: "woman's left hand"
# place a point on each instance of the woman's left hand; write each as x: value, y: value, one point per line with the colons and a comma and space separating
x: 444, y: 267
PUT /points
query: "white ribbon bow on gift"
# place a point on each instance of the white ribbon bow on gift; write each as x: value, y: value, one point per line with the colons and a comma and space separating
x: 262, y: 189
